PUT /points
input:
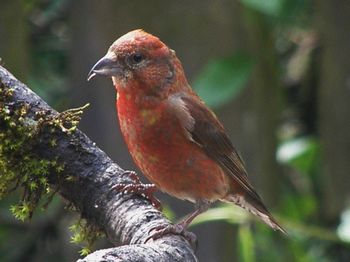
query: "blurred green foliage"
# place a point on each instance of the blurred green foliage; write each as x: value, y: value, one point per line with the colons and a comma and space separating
x: 48, y: 50
x: 271, y: 7
x: 281, y: 11
x: 246, y: 244
x: 300, y: 208
x: 222, y: 79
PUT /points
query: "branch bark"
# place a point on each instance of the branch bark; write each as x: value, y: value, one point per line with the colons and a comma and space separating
x: 126, y: 219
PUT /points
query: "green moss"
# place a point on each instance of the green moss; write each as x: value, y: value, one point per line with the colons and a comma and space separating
x: 21, y: 211
x: 20, y: 167
x: 68, y: 120
x: 85, y: 235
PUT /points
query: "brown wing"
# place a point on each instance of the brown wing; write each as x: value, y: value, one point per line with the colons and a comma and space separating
x: 205, y: 129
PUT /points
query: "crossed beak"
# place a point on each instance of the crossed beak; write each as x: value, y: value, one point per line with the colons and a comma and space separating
x: 106, y: 66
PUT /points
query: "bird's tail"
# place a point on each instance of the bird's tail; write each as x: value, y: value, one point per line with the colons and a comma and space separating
x: 255, y: 206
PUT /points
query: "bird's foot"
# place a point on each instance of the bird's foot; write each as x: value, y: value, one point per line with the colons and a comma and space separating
x: 177, y: 229
x: 144, y: 190
x: 132, y: 175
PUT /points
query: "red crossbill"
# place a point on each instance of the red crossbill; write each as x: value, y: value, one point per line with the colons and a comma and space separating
x: 173, y: 137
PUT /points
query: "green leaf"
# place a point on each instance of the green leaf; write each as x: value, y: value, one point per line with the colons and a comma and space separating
x: 299, y: 153
x: 269, y: 7
x: 224, y: 212
x: 282, y: 12
x: 168, y: 212
x: 246, y: 244
x: 222, y: 79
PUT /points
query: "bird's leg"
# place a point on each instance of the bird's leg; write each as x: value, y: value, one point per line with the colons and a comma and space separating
x: 144, y: 190
x: 181, y: 227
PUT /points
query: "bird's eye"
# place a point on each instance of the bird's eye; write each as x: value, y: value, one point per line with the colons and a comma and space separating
x: 137, y: 58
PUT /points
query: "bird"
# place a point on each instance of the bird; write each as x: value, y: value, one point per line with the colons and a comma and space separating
x: 177, y: 142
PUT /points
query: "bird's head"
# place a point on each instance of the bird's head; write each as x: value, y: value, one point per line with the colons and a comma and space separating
x: 139, y: 60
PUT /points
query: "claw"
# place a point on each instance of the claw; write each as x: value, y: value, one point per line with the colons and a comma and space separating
x: 132, y: 175
x: 177, y: 229
x: 180, y: 228
x: 144, y: 190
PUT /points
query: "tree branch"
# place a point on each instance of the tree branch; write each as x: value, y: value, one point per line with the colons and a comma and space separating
x: 126, y: 219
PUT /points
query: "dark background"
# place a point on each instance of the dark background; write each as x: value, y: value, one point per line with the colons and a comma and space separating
x: 277, y: 73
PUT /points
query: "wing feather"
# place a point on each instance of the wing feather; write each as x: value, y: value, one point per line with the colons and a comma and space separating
x: 202, y: 127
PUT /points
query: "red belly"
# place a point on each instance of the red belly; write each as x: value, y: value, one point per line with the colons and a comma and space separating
x: 179, y: 167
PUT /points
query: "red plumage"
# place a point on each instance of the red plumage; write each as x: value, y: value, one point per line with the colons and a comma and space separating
x: 173, y: 137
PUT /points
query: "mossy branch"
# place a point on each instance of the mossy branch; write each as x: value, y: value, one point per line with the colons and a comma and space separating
x: 42, y: 152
